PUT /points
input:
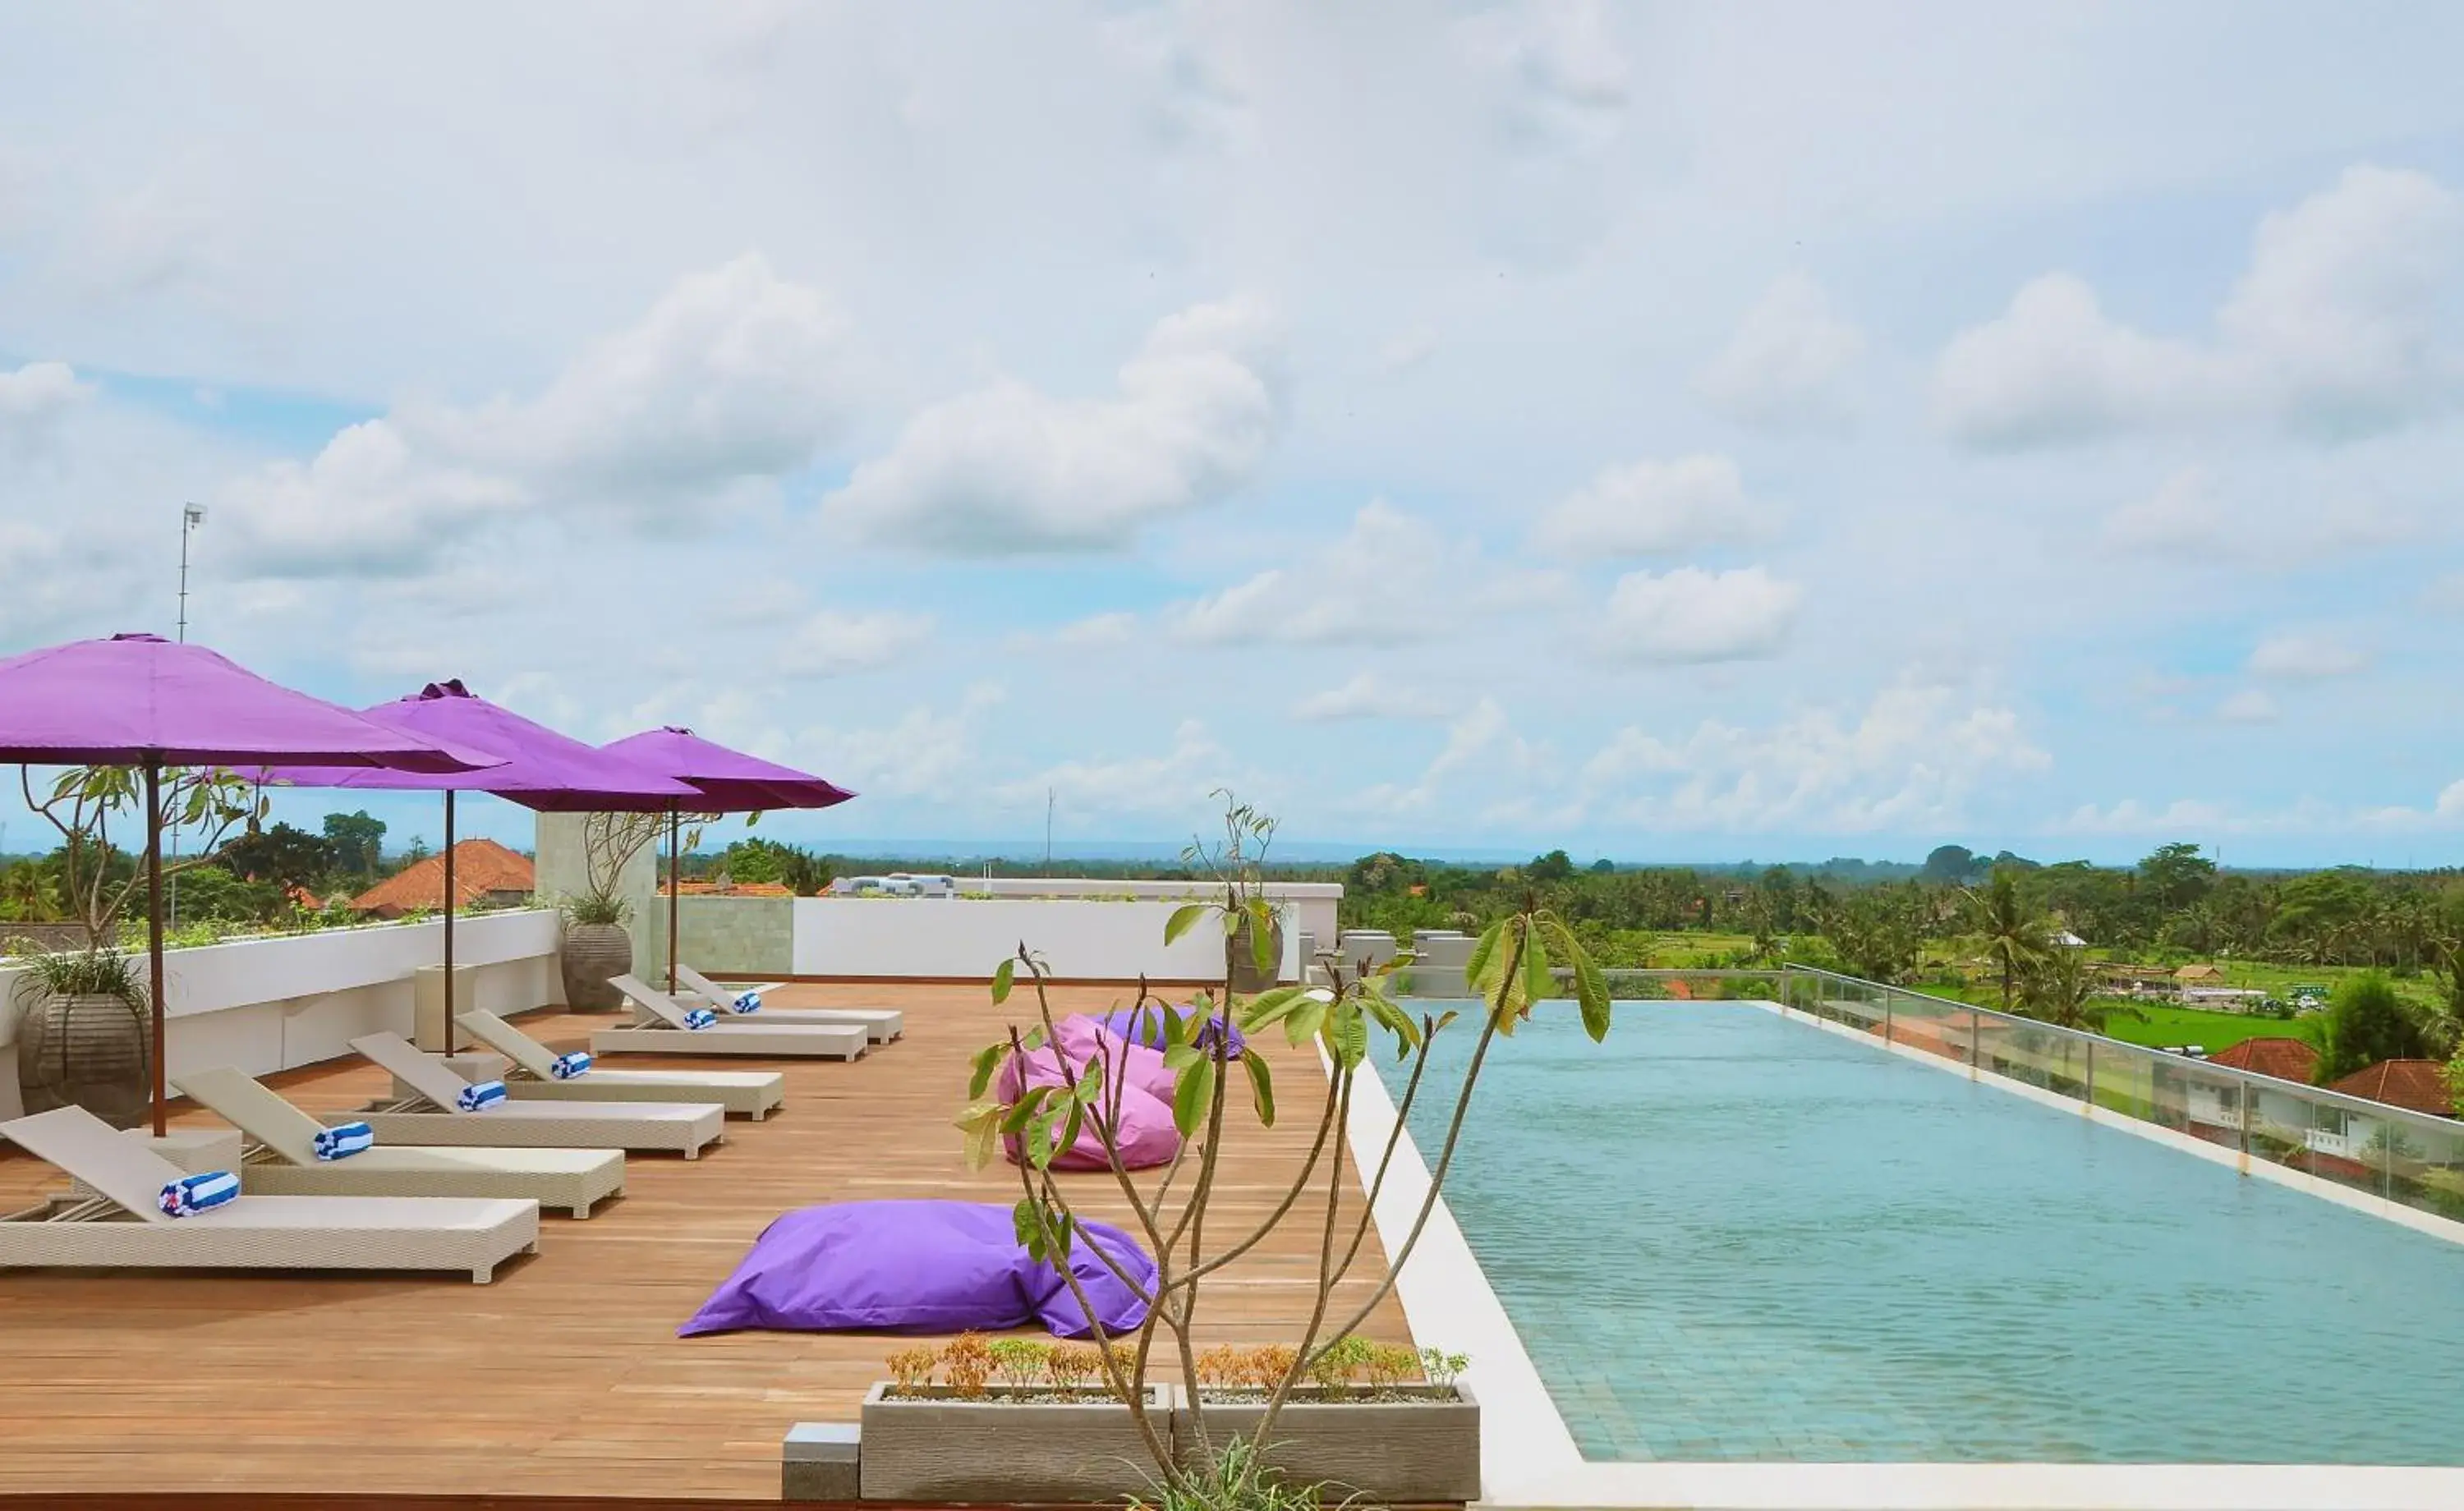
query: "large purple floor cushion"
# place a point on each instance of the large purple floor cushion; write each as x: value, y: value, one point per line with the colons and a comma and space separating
x: 1144, y: 1025
x: 917, y: 1266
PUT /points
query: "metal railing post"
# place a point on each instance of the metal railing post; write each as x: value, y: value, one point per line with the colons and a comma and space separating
x: 1886, y: 1018
x: 1976, y: 1040
x: 2088, y: 1101
x: 2245, y: 1089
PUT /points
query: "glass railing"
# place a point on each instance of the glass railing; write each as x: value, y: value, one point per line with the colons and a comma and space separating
x: 2395, y: 1152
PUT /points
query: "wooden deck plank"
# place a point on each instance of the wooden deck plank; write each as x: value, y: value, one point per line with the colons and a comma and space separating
x: 564, y: 1377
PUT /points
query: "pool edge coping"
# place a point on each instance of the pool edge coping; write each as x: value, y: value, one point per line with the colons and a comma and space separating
x: 1529, y: 1456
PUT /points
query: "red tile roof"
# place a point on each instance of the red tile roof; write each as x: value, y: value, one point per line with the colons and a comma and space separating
x: 481, y: 867
x: 694, y: 888
x: 2420, y: 1084
x: 2271, y: 1055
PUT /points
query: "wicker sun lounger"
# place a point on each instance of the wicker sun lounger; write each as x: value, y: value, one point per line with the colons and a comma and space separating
x: 663, y: 1033
x: 747, y: 1093
x: 124, y: 1228
x: 881, y: 1023
x: 429, y: 1116
x: 285, y: 1162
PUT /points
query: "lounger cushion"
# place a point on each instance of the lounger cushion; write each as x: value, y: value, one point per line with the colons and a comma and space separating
x: 918, y: 1266
x: 1144, y: 1025
x: 1144, y: 1129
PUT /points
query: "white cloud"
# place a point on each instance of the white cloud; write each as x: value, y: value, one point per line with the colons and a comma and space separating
x: 922, y: 754
x: 2306, y: 656
x: 2182, y: 517
x: 1410, y: 349
x: 1650, y: 508
x: 1092, y: 793
x: 1366, y: 696
x: 1379, y: 584
x: 1909, y: 760
x: 1097, y: 631
x: 1785, y: 363
x: 734, y: 375
x: 1692, y: 615
x: 2131, y: 817
x: 1480, y: 741
x: 1568, y: 82
x: 2334, y: 329
x: 2249, y: 706
x: 1009, y: 468
x: 32, y: 400
x: 2444, y: 593
x: 832, y: 643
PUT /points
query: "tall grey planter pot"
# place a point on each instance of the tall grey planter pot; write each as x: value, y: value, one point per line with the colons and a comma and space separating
x: 1003, y: 1451
x: 1388, y: 1453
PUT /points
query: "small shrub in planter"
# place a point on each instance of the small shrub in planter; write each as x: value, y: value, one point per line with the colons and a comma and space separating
x: 1210, y: 1449
x: 1005, y: 1419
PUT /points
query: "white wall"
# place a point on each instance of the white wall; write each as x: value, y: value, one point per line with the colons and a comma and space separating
x: 935, y: 936
x: 274, y: 1004
x: 1309, y: 907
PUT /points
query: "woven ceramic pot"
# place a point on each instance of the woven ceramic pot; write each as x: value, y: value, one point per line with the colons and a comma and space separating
x: 90, y: 1051
x: 591, y: 954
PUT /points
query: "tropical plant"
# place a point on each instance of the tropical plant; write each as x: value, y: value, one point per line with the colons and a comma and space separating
x: 2014, y: 940
x: 2366, y: 1024
x: 913, y: 1369
x: 609, y: 843
x: 84, y: 802
x: 2060, y: 989
x: 592, y: 908
x: 89, y: 972
x: 1510, y: 969
x: 1019, y: 1361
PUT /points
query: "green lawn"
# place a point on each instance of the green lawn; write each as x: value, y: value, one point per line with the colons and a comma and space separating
x: 2168, y: 1027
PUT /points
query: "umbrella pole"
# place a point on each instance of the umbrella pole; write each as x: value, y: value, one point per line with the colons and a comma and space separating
x: 154, y: 929
x: 449, y: 920
x: 675, y: 890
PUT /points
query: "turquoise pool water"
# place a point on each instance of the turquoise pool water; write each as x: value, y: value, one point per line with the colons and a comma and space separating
x: 1723, y: 1235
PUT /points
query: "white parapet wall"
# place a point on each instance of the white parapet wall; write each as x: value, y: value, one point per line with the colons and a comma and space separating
x: 276, y: 1003
x: 1105, y: 938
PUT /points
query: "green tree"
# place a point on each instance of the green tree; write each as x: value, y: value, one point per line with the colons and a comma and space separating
x: 2366, y: 1024
x: 2016, y: 939
x: 285, y: 855
x: 1949, y: 864
x: 2060, y: 989
x: 2176, y: 875
x: 1554, y: 866
x: 355, y: 843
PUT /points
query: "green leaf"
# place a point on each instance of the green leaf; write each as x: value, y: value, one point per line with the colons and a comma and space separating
x: 1003, y: 975
x: 1537, y: 983
x: 1591, y: 982
x: 1090, y: 1085
x: 982, y: 1123
x: 987, y: 1061
x: 1182, y: 920
x: 1304, y: 1022
x: 1348, y: 1036
x: 1482, y: 953
x: 1271, y: 1004
x: 1191, y: 1096
x: 1181, y: 1056
x: 1261, y: 934
x: 1262, y: 1088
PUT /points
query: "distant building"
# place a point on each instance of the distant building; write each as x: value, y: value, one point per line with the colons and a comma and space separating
x: 2417, y: 1084
x: 485, y: 873
x: 2272, y: 1054
x: 2199, y: 976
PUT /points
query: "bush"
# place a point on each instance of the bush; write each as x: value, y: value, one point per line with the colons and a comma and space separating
x: 2366, y: 1024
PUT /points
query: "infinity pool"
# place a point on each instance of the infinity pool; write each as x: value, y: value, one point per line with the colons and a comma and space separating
x: 1724, y: 1235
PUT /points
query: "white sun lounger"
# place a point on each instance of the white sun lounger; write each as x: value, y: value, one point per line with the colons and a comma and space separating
x: 747, y: 1093
x: 430, y: 1116
x: 285, y: 1161
x: 663, y: 1032
x: 881, y: 1023
x: 125, y: 1228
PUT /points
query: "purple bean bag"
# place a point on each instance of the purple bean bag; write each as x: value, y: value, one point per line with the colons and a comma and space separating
x: 1137, y: 1086
x: 1144, y: 1025
x: 919, y: 1266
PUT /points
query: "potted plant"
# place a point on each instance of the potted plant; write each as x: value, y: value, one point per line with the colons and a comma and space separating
x: 1211, y: 1449
x: 596, y: 945
x: 1379, y: 1422
x: 84, y: 1034
x: 1003, y: 1419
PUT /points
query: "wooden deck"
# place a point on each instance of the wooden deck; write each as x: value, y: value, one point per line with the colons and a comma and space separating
x: 565, y: 1376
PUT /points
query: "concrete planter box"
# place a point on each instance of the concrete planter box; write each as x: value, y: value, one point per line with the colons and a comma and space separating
x: 991, y: 1450
x: 1388, y: 1453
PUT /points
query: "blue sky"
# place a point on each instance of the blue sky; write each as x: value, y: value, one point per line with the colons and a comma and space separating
x: 1665, y: 433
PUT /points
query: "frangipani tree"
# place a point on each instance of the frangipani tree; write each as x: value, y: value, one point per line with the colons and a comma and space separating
x: 1352, y: 1014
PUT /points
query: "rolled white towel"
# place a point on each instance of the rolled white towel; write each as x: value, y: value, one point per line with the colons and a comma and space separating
x: 191, y: 1195
x: 700, y: 1017
x: 480, y: 1095
x: 343, y: 1139
x: 564, y: 1067
x: 746, y: 1002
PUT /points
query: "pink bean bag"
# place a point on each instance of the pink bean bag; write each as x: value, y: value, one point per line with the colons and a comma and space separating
x: 1135, y: 1084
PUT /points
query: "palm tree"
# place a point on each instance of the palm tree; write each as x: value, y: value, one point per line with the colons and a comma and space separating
x: 2062, y: 990
x: 2013, y: 939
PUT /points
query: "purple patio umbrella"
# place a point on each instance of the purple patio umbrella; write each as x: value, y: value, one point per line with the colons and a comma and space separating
x: 728, y: 782
x: 139, y: 700
x: 540, y: 769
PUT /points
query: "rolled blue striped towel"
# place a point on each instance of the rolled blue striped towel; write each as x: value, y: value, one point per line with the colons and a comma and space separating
x: 480, y: 1095
x: 343, y: 1139
x: 746, y: 1002
x: 564, y: 1067
x: 191, y: 1195
x: 700, y: 1017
